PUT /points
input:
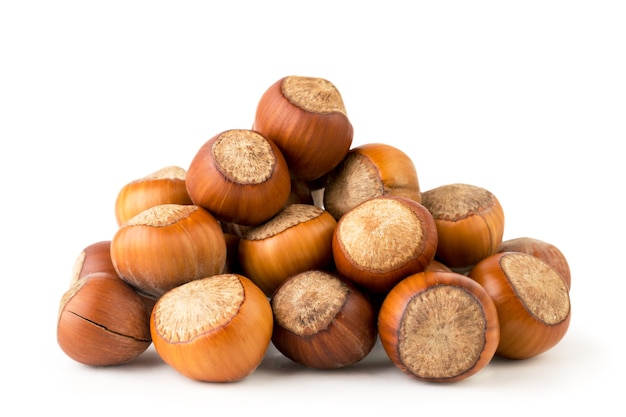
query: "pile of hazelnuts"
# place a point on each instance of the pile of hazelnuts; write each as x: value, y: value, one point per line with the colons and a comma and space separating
x: 286, y: 234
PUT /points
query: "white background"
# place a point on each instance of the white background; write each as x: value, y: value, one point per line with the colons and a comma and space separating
x: 526, y: 99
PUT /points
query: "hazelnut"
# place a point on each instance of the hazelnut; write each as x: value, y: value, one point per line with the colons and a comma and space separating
x: 532, y: 300
x: 321, y: 321
x: 383, y: 240
x: 470, y: 223
x: 102, y: 321
x: 439, y: 326
x: 214, y: 329
x: 240, y: 176
x: 306, y: 117
x: 367, y: 171
x: 297, y: 239
x: 166, y: 246
x: 164, y: 186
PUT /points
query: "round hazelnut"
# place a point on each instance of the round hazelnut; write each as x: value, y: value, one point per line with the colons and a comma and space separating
x: 214, y: 329
x: 297, y: 239
x: 306, y: 117
x: 383, y: 240
x: 439, y: 326
x: 470, y: 223
x: 166, y: 246
x: 321, y: 321
x: 532, y: 300
x: 367, y: 171
x: 164, y: 186
x: 240, y: 176
x: 102, y: 321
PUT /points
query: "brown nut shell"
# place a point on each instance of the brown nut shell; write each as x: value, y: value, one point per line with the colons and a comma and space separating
x: 367, y: 171
x: 439, y: 326
x: 321, y: 321
x: 307, y: 119
x: 166, y: 246
x: 164, y: 186
x: 297, y: 239
x: 532, y: 300
x: 102, y: 321
x: 383, y: 240
x: 214, y: 329
x: 240, y: 176
x: 470, y: 223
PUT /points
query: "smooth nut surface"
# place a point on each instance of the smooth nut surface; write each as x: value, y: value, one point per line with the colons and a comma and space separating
x: 166, y: 246
x: 164, y: 186
x: 297, y: 239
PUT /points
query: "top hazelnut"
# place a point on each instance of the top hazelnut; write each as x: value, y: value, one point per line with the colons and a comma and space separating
x: 307, y: 119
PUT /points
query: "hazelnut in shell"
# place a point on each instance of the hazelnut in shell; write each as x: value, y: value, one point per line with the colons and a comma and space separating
x: 164, y: 186
x: 102, y: 321
x: 367, y: 171
x: 215, y: 329
x: 297, y: 239
x: 532, y: 300
x: 168, y: 245
x: 240, y: 176
x: 470, y: 223
x: 321, y: 321
x: 439, y: 326
x: 383, y: 240
x: 307, y: 119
